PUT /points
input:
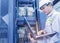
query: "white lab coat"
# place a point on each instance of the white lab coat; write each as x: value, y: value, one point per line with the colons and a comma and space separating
x: 52, y: 25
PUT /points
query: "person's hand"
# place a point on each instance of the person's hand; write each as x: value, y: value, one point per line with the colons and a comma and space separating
x: 32, y: 39
x: 41, y: 32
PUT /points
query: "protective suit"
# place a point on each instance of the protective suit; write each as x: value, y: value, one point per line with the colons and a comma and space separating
x: 53, y: 25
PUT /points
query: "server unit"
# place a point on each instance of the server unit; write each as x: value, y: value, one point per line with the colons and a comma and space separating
x: 25, y: 8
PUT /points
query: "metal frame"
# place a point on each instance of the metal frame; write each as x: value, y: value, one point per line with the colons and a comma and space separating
x: 11, y: 26
x: 0, y: 10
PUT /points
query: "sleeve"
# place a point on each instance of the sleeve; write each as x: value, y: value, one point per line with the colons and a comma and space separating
x: 56, y: 24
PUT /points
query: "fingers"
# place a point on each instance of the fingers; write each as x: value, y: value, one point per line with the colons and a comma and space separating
x: 41, y: 32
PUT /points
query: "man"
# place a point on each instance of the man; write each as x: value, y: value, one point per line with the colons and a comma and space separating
x: 52, y: 22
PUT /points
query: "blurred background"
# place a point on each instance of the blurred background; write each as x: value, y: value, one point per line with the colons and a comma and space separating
x: 13, y: 28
